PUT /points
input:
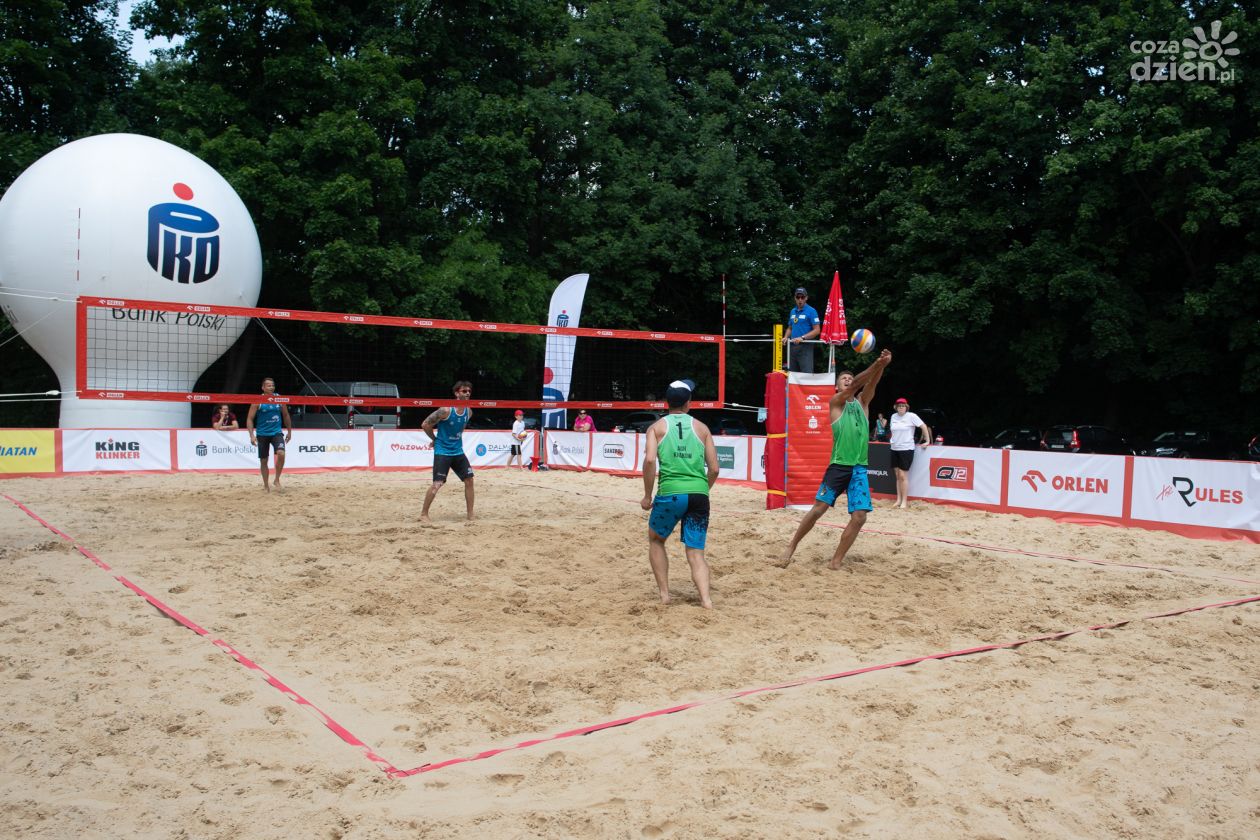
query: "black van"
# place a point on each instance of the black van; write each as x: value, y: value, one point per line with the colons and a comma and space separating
x: 364, y: 416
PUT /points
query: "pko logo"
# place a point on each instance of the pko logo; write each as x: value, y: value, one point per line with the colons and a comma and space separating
x: 1066, y: 483
x: 953, y: 473
x: 1184, y: 487
x: 181, y: 248
x: 201, y: 449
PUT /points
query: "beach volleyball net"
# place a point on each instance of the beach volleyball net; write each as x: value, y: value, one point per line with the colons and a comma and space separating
x: 148, y: 350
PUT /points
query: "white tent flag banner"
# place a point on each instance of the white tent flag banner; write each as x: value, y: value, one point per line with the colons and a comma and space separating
x: 126, y: 216
x: 565, y: 311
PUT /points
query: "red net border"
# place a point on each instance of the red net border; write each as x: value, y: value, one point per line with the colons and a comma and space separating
x: 81, y: 357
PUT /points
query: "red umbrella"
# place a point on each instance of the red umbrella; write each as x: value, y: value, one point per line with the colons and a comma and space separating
x: 834, y: 329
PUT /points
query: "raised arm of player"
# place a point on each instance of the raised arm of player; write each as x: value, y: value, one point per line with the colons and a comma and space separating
x: 846, y: 391
x: 433, y: 419
x: 867, y: 394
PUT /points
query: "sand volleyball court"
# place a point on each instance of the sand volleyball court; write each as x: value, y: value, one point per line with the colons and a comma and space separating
x: 409, y: 648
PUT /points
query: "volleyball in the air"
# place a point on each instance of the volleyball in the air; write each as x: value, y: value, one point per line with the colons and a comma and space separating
x: 862, y: 341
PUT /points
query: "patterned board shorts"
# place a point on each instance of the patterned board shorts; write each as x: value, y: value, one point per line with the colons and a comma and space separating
x: 850, y: 481
x: 692, y: 509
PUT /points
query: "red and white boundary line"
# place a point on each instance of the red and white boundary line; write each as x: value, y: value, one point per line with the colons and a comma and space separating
x: 397, y: 773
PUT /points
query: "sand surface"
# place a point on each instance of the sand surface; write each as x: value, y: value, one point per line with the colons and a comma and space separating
x: 444, y: 641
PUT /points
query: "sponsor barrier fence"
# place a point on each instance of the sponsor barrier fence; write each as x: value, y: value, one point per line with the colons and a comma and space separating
x: 1204, y: 499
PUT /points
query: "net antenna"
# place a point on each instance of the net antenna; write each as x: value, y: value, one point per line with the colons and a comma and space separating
x: 130, y: 349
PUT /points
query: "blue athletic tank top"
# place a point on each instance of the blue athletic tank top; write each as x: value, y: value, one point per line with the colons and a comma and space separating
x: 449, y: 434
x: 267, y: 419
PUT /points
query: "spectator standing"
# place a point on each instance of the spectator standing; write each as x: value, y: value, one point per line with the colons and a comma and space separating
x: 518, y: 440
x: 901, y: 430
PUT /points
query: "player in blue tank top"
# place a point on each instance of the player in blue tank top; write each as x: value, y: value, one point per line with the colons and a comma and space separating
x: 269, y: 418
x: 445, y: 427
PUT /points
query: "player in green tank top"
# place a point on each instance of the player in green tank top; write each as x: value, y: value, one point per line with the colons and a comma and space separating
x: 682, y: 450
x: 846, y: 474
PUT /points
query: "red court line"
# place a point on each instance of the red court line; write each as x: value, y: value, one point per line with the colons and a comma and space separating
x: 394, y: 772
x: 341, y: 732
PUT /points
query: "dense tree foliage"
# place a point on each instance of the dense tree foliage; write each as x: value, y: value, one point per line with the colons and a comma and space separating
x: 1038, y: 235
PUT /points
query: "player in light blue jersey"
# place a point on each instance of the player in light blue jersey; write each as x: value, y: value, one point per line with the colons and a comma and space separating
x: 445, y: 427
x: 269, y: 418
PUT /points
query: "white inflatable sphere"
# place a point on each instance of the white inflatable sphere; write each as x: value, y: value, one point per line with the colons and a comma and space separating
x: 125, y: 216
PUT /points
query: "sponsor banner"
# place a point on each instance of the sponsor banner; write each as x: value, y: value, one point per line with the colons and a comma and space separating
x: 961, y: 474
x: 809, y: 441
x: 493, y: 449
x: 757, y: 465
x: 113, y: 450
x: 331, y: 449
x: 1089, y: 484
x: 879, y: 470
x: 567, y: 449
x: 1214, y: 494
x: 615, y: 451
x: 206, y: 449
x: 732, y: 455
x: 28, y: 451
x: 402, y: 449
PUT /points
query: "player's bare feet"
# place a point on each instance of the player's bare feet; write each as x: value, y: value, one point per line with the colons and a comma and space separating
x: 783, y: 560
x: 664, y: 599
x: 708, y: 605
x: 835, y: 563
x: 424, y: 517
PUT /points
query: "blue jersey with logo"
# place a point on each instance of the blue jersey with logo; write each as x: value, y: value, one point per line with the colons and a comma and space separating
x: 267, y: 420
x: 449, y: 434
x: 802, y: 320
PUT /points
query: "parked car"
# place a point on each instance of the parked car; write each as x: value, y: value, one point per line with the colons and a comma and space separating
x: 944, y: 430
x: 1021, y: 438
x: 640, y: 421
x: 1085, y: 438
x: 1186, y: 443
x: 363, y: 416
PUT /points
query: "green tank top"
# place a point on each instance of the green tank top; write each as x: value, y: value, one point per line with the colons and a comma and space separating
x: 681, y: 458
x: 849, y: 437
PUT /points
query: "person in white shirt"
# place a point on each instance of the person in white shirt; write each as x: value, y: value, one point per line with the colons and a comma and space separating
x: 901, y: 441
x: 518, y: 440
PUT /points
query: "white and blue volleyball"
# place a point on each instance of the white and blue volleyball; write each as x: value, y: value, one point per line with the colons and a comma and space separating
x: 862, y: 341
